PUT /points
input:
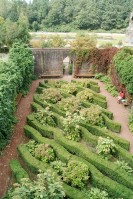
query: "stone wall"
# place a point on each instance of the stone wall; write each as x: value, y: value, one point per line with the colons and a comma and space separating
x: 49, y: 61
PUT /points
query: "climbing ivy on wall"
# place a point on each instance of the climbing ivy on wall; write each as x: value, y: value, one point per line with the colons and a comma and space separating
x: 123, y: 62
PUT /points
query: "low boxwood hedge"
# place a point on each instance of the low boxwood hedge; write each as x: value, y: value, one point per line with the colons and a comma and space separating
x: 103, y: 165
x: 36, y: 165
x: 97, y: 178
x: 18, y: 171
x: 106, y: 133
x: 113, y: 126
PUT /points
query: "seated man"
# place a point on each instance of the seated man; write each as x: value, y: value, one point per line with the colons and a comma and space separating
x: 121, y: 97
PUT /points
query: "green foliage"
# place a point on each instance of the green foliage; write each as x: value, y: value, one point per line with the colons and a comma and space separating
x: 85, y: 95
x: 15, y: 77
x: 76, y: 173
x: 69, y: 88
x: 71, y: 104
x: 45, y: 117
x: 123, y: 64
x: 71, y: 127
x: 55, y: 41
x: 51, y: 95
x: 130, y: 120
x: 108, y: 84
x: 42, y: 152
x: 47, y: 185
x: 106, y: 147
x: 70, y: 68
x: 92, y: 115
x: 96, y: 193
x: 124, y: 165
x: 18, y: 171
x: 58, y: 166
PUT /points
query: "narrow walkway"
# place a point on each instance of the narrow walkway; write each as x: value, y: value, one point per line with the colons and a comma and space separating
x: 18, y: 137
x: 120, y: 115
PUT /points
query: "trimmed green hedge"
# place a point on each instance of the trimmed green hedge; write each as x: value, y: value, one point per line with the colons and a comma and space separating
x: 97, y: 178
x: 105, y: 111
x: 44, y: 104
x: 36, y: 165
x: 113, y: 126
x: 103, y: 165
x: 18, y: 171
x: 106, y: 133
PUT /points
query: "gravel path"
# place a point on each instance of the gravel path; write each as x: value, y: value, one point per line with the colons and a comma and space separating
x: 120, y: 115
x: 10, y: 152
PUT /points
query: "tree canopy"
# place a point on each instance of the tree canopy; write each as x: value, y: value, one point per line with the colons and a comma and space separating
x: 67, y: 15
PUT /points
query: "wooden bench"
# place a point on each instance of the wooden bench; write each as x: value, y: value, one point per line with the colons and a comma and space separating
x: 84, y: 75
x: 56, y: 75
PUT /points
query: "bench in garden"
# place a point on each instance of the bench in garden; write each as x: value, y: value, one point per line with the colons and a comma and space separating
x: 85, y: 75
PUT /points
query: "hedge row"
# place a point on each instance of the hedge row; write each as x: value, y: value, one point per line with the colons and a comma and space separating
x: 36, y: 165
x: 111, y: 125
x: 18, y: 171
x: 90, y: 84
x: 106, y: 133
x: 109, y: 114
x: 97, y: 178
x: 103, y: 165
x: 93, y: 139
x: 94, y: 130
x: 15, y: 77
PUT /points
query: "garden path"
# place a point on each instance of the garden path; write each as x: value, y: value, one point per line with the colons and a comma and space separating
x: 120, y: 113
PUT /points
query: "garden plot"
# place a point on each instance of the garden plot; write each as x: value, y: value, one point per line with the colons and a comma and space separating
x: 74, y: 136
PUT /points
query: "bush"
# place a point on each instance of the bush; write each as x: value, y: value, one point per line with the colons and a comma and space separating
x: 45, y: 117
x: 96, y: 193
x: 76, y: 174
x: 47, y: 185
x: 106, y: 147
x: 130, y: 120
x: 15, y: 77
x: 122, y: 164
x: 58, y: 166
x: 51, y: 95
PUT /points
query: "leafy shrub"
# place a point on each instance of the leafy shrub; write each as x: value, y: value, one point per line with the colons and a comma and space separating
x: 85, y: 95
x: 51, y: 95
x: 70, y: 104
x: 106, y: 147
x: 124, y: 165
x: 45, y: 117
x: 58, y: 166
x: 96, y: 193
x: 76, y: 174
x: 47, y: 185
x: 44, y: 152
x: 69, y: 88
x: 99, y: 75
x: 57, y: 83
x: 71, y: 127
x: 92, y: 115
